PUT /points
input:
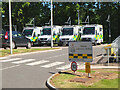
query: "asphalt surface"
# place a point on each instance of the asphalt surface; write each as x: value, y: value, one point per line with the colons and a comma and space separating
x: 32, y: 70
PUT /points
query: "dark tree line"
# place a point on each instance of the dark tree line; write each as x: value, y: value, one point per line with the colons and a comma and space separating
x: 24, y: 12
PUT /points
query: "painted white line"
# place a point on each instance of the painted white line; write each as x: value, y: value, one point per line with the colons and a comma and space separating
x: 23, y: 61
x: 37, y: 63
x: 52, y: 64
x: 14, y: 59
x: 3, y: 58
x: 9, y: 67
x: 64, y: 67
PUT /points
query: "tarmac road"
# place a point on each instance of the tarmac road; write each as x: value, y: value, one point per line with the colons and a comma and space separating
x: 32, y: 70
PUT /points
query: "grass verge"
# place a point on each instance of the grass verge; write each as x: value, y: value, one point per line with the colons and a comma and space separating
x: 63, y: 81
x: 17, y: 51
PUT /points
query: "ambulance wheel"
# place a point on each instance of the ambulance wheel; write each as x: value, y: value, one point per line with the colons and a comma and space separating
x: 5, y: 47
x: 28, y: 45
x: 95, y: 44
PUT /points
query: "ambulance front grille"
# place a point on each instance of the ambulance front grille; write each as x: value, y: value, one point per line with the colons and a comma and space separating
x: 42, y: 39
x: 86, y: 39
x: 65, y: 39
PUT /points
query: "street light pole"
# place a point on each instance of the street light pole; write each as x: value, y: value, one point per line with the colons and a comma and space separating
x: 78, y: 17
x: 10, y: 26
x: 108, y: 20
x: 109, y: 33
x: 51, y: 25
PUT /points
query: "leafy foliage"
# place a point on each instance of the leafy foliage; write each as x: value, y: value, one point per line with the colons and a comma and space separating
x: 24, y: 12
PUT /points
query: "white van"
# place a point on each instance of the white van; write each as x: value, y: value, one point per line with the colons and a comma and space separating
x: 45, y: 37
x: 93, y: 33
x: 32, y: 33
x: 70, y: 33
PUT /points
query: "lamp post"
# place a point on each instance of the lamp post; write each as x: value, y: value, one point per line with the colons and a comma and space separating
x: 108, y: 20
x: 109, y: 33
x: 10, y: 26
x: 78, y: 17
x: 51, y: 25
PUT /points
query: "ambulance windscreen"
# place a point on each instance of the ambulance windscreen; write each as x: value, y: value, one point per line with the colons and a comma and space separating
x: 67, y: 31
x: 46, y: 31
x: 28, y: 32
x: 89, y: 30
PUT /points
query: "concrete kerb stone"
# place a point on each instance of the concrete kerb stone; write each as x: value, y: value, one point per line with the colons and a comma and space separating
x: 51, y: 87
x: 48, y: 84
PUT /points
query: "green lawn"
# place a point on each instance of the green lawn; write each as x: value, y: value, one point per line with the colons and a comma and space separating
x: 106, y: 84
x: 62, y: 81
x: 6, y: 52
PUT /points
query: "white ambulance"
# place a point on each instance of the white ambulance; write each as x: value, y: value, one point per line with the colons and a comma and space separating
x: 32, y: 33
x: 45, y: 37
x: 93, y: 33
x: 70, y: 33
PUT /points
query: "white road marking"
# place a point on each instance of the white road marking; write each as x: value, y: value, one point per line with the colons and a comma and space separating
x: 52, y: 64
x: 64, y: 67
x: 3, y: 58
x: 14, y: 59
x: 37, y: 63
x: 23, y: 61
x: 9, y: 67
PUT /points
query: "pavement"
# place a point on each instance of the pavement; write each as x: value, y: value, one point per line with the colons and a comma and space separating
x: 32, y: 70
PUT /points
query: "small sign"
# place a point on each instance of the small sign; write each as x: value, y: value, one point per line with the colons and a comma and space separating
x: 87, y: 67
x: 74, y: 66
x: 80, y: 51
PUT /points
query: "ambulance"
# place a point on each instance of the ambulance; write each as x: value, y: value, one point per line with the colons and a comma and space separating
x: 45, y: 38
x: 32, y: 33
x: 93, y: 33
x: 70, y: 33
